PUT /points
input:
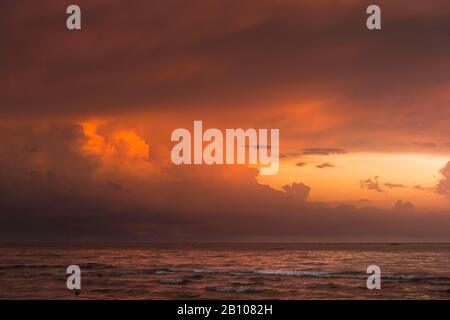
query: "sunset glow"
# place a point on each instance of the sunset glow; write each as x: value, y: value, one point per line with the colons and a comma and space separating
x: 363, y: 118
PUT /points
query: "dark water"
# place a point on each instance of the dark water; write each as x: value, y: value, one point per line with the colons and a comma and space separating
x: 219, y: 271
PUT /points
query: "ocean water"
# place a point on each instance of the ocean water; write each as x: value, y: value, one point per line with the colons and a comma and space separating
x: 226, y: 271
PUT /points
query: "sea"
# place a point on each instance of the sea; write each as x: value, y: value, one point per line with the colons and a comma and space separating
x: 225, y: 271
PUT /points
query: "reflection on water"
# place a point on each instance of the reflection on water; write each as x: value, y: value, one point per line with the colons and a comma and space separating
x: 224, y: 271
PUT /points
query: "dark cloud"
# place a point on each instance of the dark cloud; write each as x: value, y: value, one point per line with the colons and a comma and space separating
x: 298, y: 191
x: 169, y: 55
x: 421, y: 188
x: 289, y: 154
x: 226, y: 58
x: 62, y: 193
x: 325, y: 165
x: 371, y: 184
x: 404, y: 206
x: 301, y: 164
x: 393, y: 185
x: 443, y: 186
x: 322, y: 151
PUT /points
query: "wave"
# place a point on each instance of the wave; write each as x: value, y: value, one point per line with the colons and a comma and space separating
x: 31, y: 266
x: 316, y: 274
x: 308, y: 274
x: 174, y: 281
x: 239, y: 289
x: 86, y: 266
x: 197, y: 273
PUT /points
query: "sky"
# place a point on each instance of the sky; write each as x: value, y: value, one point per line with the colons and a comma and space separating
x: 86, y: 119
